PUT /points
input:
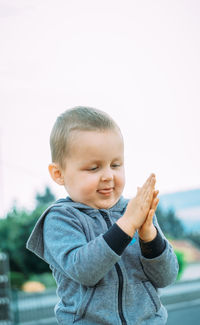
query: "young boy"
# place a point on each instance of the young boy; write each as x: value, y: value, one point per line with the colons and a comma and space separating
x: 107, y: 254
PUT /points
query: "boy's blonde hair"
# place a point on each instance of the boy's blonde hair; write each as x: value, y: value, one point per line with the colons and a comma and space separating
x: 79, y: 118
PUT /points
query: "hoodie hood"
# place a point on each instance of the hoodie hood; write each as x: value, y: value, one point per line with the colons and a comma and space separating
x: 35, y: 242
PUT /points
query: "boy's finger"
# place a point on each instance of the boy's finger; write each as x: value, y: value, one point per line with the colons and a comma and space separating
x: 155, y: 204
x: 149, y: 187
x: 155, y: 193
x: 149, y: 219
x: 150, y: 179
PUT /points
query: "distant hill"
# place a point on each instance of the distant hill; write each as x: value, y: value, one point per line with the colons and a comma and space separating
x: 186, y: 205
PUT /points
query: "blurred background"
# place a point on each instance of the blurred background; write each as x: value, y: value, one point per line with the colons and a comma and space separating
x: 139, y: 62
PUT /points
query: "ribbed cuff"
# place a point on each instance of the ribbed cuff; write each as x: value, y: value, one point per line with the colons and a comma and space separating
x: 117, y: 239
x: 153, y: 248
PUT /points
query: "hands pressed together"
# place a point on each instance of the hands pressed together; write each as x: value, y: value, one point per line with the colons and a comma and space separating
x: 140, y: 211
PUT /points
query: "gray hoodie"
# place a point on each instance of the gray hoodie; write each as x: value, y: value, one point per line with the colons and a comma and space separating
x: 95, y: 285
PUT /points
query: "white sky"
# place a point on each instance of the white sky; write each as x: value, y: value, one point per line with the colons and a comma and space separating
x: 136, y: 60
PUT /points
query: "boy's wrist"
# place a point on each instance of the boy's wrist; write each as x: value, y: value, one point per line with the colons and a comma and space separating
x: 149, y: 234
x: 126, y: 226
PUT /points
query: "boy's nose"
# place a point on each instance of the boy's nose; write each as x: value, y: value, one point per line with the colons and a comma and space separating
x: 107, y: 175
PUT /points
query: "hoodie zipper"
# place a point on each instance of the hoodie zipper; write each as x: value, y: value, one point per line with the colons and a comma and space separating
x: 120, y: 276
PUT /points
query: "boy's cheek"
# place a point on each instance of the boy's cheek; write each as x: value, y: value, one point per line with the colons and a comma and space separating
x: 122, y: 176
x: 88, y: 186
x: 121, y: 180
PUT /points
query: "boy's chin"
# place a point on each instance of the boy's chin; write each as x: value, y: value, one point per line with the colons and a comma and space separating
x: 99, y: 203
x: 106, y: 204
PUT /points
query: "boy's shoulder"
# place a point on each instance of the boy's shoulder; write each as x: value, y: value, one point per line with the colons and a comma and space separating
x: 35, y: 240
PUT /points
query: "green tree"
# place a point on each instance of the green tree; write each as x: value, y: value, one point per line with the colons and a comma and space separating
x: 195, y: 238
x: 14, y: 232
x: 181, y: 262
x: 169, y: 223
x: 46, y: 198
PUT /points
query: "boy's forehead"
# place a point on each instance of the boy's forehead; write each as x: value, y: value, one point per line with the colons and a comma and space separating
x: 93, y: 144
x: 91, y: 138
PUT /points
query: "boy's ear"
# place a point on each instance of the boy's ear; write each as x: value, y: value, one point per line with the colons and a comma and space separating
x: 56, y: 173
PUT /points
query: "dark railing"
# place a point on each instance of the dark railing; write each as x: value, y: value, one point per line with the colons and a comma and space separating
x: 34, y: 308
x: 38, y: 308
x: 5, y: 297
x: 21, y: 308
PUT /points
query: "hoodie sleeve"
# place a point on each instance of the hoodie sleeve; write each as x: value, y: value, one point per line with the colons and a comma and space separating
x: 66, y: 249
x: 163, y: 269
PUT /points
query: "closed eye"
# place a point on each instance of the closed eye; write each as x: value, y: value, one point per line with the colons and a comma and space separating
x: 115, y: 165
x: 93, y: 168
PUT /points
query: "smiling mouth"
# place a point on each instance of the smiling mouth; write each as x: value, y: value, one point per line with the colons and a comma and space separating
x: 106, y: 191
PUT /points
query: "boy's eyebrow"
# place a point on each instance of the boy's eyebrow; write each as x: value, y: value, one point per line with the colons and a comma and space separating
x: 97, y: 161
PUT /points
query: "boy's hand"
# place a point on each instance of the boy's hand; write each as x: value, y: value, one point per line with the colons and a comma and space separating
x: 138, y: 208
x: 147, y: 232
